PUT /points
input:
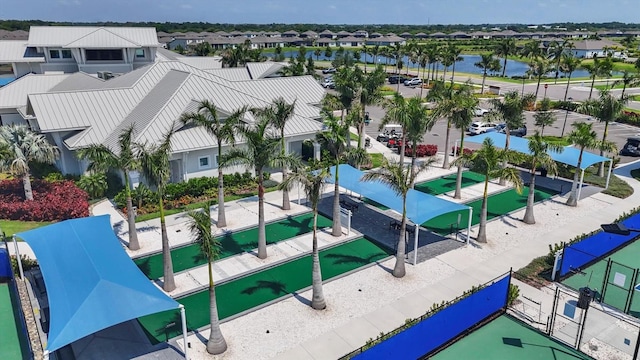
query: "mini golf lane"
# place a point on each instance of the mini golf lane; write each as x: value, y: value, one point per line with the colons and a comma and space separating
x: 497, y: 205
x: 256, y: 289
x: 448, y: 183
x: 13, y: 345
x: 232, y: 243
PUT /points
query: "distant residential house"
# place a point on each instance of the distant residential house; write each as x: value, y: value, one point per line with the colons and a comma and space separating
x: 420, y: 35
x: 327, y: 34
x: 343, y: 34
x: 309, y: 35
x: 407, y: 35
x: 480, y: 35
x: 70, y: 49
x: 591, y: 48
x: 326, y: 42
x: 351, y: 41
x: 375, y: 35
x: 438, y: 35
x: 459, y: 35
x: 361, y: 34
x: 386, y: 41
x: 290, y: 34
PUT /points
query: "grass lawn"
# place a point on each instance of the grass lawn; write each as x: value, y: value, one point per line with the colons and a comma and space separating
x: 617, y: 187
x: 376, y: 160
x: 10, y: 227
x: 634, y: 97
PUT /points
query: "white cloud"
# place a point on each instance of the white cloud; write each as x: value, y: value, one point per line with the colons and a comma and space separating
x: 332, y: 7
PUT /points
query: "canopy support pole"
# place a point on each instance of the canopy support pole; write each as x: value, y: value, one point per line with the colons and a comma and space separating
x: 580, y: 185
x: 415, y: 245
x: 609, y: 174
x: 18, y: 258
x: 455, y: 148
x: 469, y: 224
x: 184, y: 331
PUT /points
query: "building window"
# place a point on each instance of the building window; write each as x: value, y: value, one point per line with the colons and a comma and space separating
x: 139, y: 53
x: 54, y: 54
x: 204, y: 162
x: 60, y: 54
x: 66, y: 54
x: 104, y: 54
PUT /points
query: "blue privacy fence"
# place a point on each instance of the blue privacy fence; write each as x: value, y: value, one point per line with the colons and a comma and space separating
x: 595, y: 246
x: 5, y: 265
x: 438, y: 329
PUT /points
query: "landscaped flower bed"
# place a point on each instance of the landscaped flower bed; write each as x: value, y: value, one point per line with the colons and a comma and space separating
x: 421, y: 150
x: 52, y: 201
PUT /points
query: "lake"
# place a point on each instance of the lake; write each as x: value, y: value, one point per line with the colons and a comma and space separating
x: 514, y: 68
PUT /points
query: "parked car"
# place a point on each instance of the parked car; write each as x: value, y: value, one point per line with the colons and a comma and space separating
x: 329, y: 71
x: 389, y: 131
x: 519, y: 132
x: 631, y: 147
x: 329, y: 84
x: 413, y: 82
x: 479, y: 127
x: 480, y: 111
x: 395, y: 79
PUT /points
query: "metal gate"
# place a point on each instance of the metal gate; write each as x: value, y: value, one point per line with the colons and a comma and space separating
x: 619, y: 285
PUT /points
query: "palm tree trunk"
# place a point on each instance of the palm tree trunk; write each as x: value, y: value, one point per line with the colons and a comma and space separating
x: 504, y: 65
x: 537, y: 87
x: 399, y: 269
x: 482, y: 230
x: 317, y: 298
x: 337, y: 225
x: 573, y: 196
x: 624, y: 87
x: 286, y: 204
x: 403, y: 146
x: 557, y: 70
x: 484, y: 77
x: 566, y: 90
x: 528, y: 213
x: 453, y: 72
x: 168, y: 282
x: 593, y: 81
x: 216, y: 343
x: 413, y: 162
x: 444, y: 75
x: 26, y: 184
x: 421, y: 85
x: 262, y: 236
x: 507, y: 132
x: 445, y: 164
x: 604, y: 138
x: 458, y: 193
x: 134, y: 244
x: 222, y: 218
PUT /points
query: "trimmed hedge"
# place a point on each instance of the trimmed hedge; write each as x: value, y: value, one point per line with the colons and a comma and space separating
x: 52, y: 201
x: 421, y: 150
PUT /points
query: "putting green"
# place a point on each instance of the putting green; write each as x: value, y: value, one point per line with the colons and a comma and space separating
x: 253, y: 290
x: 497, y: 205
x: 507, y: 338
x: 448, y: 183
x: 616, y: 296
x: 232, y: 243
x: 13, y: 345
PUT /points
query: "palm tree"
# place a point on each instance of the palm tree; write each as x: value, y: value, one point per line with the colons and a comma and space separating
x: 156, y: 169
x: 102, y: 158
x: 317, y: 53
x: 539, y: 67
x: 397, y: 113
x: 347, y: 80
x: 24, y: 147
x: 598, y: 68
x: 459, y: 108
x: 488, y: 162
x: 487, y: 63
x: 585, y: 138
x: 511, y: 110
x: 543, y: 116
x: 279, y: 112
x: 400, y: 179
x: 313, y: 184
x: 334, y: 139
x: 606, y: 109
x: 555, y: 51
x: 506, y: 48
x: 538, y: 158
x: 370, y: 94
x: 418, y: 122
x: 262, y: 151
x: 208, y: 117
x: 532, y: 50
x: 433, y: 53
x: 629, y: 79
x: 366, y: 51
x: 200, y: 228
x: 454, y: 52
x: 568, y: 65
x: 442, y: 95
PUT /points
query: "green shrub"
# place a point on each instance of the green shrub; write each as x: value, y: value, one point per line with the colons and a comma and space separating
x: 27, y: 263
x: 95, y: 184
x: 514, y: 292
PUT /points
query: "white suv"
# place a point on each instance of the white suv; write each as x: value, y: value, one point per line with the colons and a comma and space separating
x: 480, y: 111
x: 479, y: 127
x: 413, y: 82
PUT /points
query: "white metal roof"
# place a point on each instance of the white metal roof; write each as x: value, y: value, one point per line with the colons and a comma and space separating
x: 16, y: 51
x: 51, y: 36
x: 14, y: 94
x: 202, y: 62
x: 231, y: 74
x: 259, y: 70
x: 78, y: 81
x: 101, y: 38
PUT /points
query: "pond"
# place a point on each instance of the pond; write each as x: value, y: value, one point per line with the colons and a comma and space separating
x: 514, y: 68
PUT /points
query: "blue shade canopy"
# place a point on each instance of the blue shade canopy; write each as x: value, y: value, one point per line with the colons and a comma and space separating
x: 568, y: 156
x: 91, y: 282
x: 421, y: 207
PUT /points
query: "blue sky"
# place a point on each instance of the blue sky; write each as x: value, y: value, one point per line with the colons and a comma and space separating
x: 326, y: 11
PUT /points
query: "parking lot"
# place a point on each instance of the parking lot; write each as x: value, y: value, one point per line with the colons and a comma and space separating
x: 618, y: 133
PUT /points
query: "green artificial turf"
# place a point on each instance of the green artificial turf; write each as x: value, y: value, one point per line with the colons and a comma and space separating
x: 256, y: 289
x: 232, y: 243
x: 376, y: 204
x: 448, y: 183
x: 507, y: 338
x: 497, y: 205
x: 13, y: 346
x: 626, y: 259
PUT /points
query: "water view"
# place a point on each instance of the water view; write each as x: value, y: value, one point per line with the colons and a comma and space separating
x: 514, y: 68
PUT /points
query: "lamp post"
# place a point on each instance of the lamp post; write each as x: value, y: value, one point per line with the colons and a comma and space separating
x: 618, y: 229
x: 566, y: 114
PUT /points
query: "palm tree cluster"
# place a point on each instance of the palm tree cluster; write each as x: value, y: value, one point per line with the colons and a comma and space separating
x: 241, y: 54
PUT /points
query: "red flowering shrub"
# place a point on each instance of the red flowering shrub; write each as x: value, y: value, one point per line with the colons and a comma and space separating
x: 466, y: 151
x: 421, y: 150
x: 52, y: 201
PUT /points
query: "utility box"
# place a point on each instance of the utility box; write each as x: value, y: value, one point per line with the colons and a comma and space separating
x: 494, y: 90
